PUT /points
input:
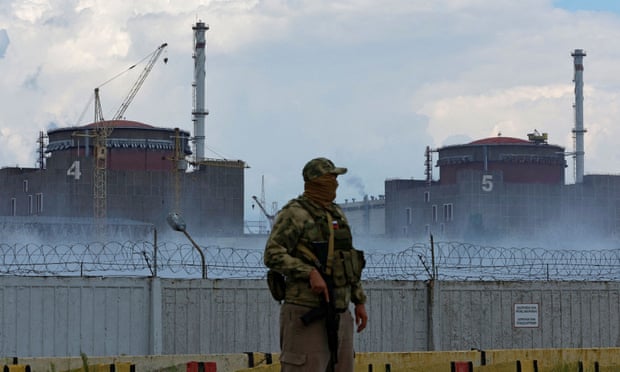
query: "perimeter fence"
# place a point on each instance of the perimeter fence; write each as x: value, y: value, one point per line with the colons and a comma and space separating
x: 420, y: 261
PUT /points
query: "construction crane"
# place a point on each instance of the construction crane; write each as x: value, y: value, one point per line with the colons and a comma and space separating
x: 101, y: 134
x: 103, y: 129
x: 179, y: 166
x: 136, y: 87
x: 270, y: 217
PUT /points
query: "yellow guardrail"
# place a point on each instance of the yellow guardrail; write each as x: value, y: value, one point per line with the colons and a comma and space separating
x: 517, y: 360
x: 16, y: 368
x: 103, y: 367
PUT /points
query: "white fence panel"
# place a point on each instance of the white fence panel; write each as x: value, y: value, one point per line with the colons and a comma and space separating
x: 64, y: 316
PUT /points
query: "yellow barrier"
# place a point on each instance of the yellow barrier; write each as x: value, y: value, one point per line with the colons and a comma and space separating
x: 547, y: 360
x: 259, y: 359
x: 517, y: 360
x: 608, y: 369
x: 16, y: 368
x: 513, y: 366
x: 396, y: 362
x: 550, y: 359
x: 124, y: 367
x: 265, y: 368
x: 413, y: 362
x: 104, y: 367
x: 499, y: 367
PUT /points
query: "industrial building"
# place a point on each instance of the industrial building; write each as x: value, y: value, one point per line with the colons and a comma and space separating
x: 508, y: 189
x: 492, y: 189
x: 366, y: 217
x: 120, y: 169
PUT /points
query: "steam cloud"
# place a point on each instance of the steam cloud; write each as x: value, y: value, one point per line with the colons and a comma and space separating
x: 357, y: 183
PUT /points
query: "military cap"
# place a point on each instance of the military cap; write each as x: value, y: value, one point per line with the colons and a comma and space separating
x: 320, y: 166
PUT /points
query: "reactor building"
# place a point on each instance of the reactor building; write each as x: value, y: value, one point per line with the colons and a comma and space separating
x: 126, y: 173
x: 507, y: 189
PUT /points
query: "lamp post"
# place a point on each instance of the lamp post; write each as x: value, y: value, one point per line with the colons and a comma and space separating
x: 178, y: 224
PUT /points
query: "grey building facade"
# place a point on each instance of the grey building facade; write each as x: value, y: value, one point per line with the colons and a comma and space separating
x: 144, y: 181
x: 504, y: 190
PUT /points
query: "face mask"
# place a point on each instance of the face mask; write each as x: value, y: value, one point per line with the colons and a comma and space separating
x: 322, y: 189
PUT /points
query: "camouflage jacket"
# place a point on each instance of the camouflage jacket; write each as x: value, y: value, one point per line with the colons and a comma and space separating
x: 304, y: 222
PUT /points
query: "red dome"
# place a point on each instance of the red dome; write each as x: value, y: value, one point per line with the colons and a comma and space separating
x: 498, y: 140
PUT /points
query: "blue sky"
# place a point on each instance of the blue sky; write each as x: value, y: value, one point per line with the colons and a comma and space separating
x: 367, y: 83
x: 590, y: 5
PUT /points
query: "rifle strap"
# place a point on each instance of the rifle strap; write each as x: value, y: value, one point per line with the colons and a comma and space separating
x: 330, y: 247
x: 307, y: 253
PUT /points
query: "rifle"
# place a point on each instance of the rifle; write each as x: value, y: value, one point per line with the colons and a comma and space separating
x: 327, y: 310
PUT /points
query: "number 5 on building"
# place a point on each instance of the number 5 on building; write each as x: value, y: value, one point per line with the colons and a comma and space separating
x: 487, y: 182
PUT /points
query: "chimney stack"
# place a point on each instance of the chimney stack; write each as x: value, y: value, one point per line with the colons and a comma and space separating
x: 199, y: 112
x: 579, y: 130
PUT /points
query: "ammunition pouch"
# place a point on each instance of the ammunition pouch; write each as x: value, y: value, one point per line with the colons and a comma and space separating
x: 348, y: 267
x: 347, y: 264
x: 277, y: 285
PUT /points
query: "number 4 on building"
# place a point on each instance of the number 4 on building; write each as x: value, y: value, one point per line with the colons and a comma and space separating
x: 74, y: 170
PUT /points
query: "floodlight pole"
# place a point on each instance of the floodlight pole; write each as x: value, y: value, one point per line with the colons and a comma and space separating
x: 178, y: 224
x: 202, y: 255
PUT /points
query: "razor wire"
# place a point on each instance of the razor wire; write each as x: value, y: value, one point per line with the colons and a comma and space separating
x: 420, y: 261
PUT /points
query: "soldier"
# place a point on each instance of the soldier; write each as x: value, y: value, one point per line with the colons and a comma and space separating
x: 311, y: 246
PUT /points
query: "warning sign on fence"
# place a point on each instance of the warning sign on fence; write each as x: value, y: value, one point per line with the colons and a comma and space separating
x: 526, y: 316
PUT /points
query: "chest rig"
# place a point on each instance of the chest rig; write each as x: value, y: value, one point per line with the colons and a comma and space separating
x: 327, y: 244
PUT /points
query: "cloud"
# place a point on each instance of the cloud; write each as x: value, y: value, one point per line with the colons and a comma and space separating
x: 369, y: 84
x: 13, y: 145
x: 31, y: 11
x: 513, y: 112
x: 31, y: 81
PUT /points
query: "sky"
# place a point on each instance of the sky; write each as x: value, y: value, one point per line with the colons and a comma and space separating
x: 369, y: 84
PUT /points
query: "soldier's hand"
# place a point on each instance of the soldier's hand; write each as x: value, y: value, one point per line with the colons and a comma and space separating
x: 361, y: 318
x: 318, y: 285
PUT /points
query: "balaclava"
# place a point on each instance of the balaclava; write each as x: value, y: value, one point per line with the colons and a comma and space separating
x: 321, y: 189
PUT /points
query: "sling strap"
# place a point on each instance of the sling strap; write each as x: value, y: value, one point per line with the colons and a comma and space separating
x: 306, y: 252
x: 330, y: 248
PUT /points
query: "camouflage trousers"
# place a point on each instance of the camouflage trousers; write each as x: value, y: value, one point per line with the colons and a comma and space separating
x: 304, y: 348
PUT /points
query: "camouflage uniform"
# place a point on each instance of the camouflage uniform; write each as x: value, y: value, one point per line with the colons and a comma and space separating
x: 304, y: 222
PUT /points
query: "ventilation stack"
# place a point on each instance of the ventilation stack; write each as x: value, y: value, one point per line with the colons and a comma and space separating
x: 579, y: 130
x: 199, y: 112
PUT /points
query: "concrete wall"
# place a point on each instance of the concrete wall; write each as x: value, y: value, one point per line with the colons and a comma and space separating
x: 367, y: 217
x: 63, y: 316
x: 56, y: 316
x: 570, y: 315
x: 210, y: 199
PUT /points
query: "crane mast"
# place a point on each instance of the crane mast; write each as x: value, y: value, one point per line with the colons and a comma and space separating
x: 103, y: 129
x: 101, y: 134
